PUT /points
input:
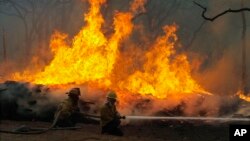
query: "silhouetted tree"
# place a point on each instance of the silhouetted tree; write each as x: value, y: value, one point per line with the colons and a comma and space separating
x: 242, y: 10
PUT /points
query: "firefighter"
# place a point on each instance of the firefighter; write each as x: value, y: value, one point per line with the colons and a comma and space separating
x: 110, y: 118
x: 68, y: 110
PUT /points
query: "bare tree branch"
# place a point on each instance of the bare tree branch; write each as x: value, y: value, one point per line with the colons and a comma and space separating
x: 9, y: 14
x: 189, y: 45
x: 244, y: 87
x: 19, y: 6
x: 138, y: 15
x: 4, y: 46
x: 220, y: 14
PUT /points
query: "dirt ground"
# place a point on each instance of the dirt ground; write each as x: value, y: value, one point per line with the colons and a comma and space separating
x: 146, y: 131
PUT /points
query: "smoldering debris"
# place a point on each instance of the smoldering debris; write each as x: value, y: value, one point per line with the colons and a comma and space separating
x: 26, y: 101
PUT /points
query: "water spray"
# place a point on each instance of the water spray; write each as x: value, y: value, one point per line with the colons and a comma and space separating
x: 228, y: 119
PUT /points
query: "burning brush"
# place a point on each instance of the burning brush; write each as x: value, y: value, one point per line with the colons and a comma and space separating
x: 158, y: 82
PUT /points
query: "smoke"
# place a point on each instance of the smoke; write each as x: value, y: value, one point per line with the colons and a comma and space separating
x: 21, y: 100
x: 223, y: 76
x: 219, y: 45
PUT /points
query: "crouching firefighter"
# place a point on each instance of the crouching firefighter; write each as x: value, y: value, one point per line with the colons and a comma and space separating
x: 110, y: 118
x: 68, y: 112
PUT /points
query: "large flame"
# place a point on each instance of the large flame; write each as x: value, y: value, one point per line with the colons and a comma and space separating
x: 161, y: 75
x: 90, y: 58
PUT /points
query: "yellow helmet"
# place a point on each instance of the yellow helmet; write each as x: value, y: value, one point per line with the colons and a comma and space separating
x: 74, y: 91
x: 111, y: 95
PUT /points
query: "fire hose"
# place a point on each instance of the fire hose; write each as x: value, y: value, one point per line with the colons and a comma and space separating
x: 136, y: 118
x: 3, y: 89
x: 49, y: 128
x: 229, y: 119
x: 43, y: 130
x: 35, y: 132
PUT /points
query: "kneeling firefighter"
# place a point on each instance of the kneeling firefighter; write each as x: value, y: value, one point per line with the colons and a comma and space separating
x: 110, y: 117
x: 68, y: 111
x: 67, y: 115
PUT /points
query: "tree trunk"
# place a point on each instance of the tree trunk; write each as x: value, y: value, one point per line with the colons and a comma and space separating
x: 243, y: 37
x: 190, y: 44
x: 4, y: 46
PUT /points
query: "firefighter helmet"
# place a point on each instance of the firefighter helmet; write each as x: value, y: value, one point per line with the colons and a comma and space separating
x: 74, y: 92
x: 112, y: 95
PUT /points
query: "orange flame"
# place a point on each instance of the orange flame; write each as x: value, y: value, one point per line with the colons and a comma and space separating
x: 242, y: 96
x: 161, y: 76
x: 90, y: 58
